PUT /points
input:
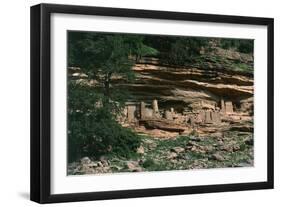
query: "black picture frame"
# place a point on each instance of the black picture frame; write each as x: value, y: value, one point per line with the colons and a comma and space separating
x: 41, y: 96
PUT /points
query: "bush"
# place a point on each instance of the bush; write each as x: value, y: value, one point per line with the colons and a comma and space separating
x: 186, y: 50
x: 229, y: 43
x: 109, y: 137
x: 93, y: 129
x: 148, y: 163
x: 244, y: 46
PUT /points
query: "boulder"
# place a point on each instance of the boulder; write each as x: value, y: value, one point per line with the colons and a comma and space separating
x: 133, y: 166
x: 177, y: 149
x: 163, y: 125
x: 242, y: 128
x: 249, y: 141
x: 140, y: 150
x: 217, y: 157
x: 85, y: 160
x: 172, y: 155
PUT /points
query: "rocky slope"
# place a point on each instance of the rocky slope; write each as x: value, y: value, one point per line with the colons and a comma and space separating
x: 181, y: 153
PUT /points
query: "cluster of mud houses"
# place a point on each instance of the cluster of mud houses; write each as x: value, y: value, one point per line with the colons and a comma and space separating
x: 135, y: 111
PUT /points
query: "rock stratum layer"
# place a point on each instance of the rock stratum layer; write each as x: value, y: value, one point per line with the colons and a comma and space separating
x: 188, y: 86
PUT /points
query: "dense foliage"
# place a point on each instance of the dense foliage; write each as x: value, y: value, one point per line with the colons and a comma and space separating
x: 92, y: 127
x: 241, y: 45
x: 186, y: 50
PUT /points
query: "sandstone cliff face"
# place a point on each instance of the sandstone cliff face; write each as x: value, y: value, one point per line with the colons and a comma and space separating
x: 189, y: 87
x: 167, y: 100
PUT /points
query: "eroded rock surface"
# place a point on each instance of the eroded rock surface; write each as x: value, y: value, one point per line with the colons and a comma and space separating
x: 188, y: 85
x: 167, y: 100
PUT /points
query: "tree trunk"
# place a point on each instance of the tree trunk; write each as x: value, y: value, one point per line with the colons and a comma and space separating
x: 107, y: 86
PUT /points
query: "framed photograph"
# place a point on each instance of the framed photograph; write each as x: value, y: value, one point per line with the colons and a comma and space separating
x: 133, y: 103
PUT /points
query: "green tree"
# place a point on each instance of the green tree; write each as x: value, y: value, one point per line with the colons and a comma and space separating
x: 92, y: 129
x: 246, y: 46
x: 92, y: 111
x: 102, y: 56
x: 138, y: 48
x: 186, y: 49
x: 241, y: 45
